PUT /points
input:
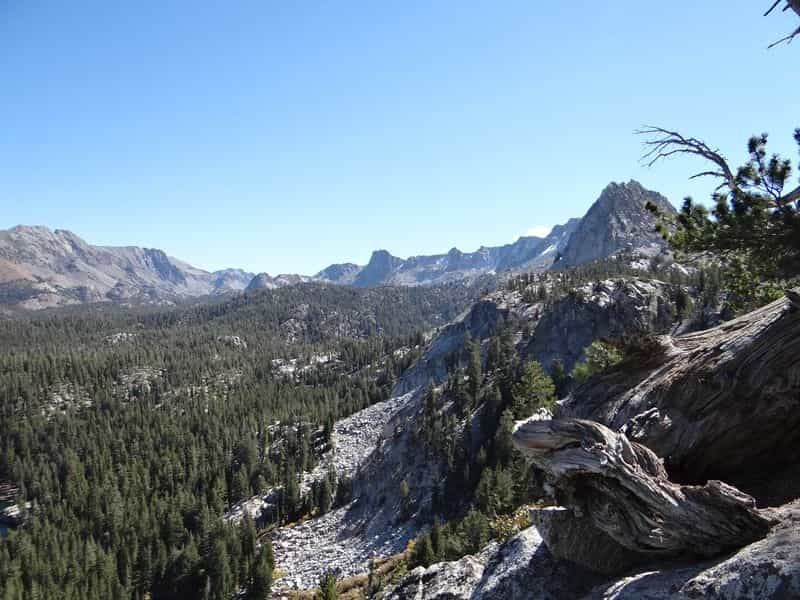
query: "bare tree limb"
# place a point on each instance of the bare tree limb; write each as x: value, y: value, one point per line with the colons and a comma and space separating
x: 790, y: 4
x: 771, y: 8
x: 664, y: 143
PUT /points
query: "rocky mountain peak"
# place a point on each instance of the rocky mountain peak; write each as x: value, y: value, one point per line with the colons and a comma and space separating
x: 618, y: 220
x: 41, y: 268
x: 343, y: 273
x: 262, y: 281
x: 380, y: 266
x: 231, y: 279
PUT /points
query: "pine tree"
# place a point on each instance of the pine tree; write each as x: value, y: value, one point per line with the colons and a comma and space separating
x: 476, y: 531
x: 406, y: 502
x: 261, y: 575
x: 424, y: 554
x: 474, y: 371
x: 534, y: 390
x: 559, y: 376
x: 327, y: 587
x: 753, y: 229
x: 600, y: 356
x: 437, y: 540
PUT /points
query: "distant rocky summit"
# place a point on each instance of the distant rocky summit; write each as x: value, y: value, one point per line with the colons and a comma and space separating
x: 618, y: 220
x: 41, y: 268
x: 344, y: 273
x: 264, y: 281
x: 527, y: 253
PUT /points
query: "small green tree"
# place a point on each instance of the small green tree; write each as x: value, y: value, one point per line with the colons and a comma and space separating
x: 406, y: 502
x: 534, y: 390
x: 328, y: 589
x: 423, y: 554
x: 474, y: 371
x: 438, y: 539
x: 261, y: 576
x: 600, y: 356
x: 325, y: 497
x: 503, y: 440
x: 475, y: 528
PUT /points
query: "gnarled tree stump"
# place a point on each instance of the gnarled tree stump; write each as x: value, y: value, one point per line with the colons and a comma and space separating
x: 622, y: 487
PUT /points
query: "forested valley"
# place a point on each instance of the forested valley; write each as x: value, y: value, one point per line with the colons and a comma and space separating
x: 128, y: 433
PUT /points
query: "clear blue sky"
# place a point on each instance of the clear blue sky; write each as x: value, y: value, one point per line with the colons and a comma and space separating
x: 283, y: 136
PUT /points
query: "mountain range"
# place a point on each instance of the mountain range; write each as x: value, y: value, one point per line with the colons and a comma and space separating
x: 618, y: 220
x: 41, y: 268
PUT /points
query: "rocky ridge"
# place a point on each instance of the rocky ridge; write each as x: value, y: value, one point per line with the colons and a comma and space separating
x: 527, y: 253
x: 523, y: 567
x: 617, y: 221
x: 41, y: 268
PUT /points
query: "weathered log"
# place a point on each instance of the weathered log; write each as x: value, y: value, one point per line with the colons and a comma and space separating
x: 716, y: 404
x: 623, y: 488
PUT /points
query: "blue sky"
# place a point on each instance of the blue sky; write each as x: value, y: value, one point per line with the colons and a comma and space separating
x: 283, y: 136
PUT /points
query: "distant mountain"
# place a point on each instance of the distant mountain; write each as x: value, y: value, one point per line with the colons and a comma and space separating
x: 617, y: 221
x: 231, y: 279
x: 41, y: 268
x: 385, y: 269
x: 344, y: 273
x: 264, y: 281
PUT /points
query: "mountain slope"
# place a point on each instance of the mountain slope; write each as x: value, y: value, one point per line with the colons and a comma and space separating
x: 40, y: 268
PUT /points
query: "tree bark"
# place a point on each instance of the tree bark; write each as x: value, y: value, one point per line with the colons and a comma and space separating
x: 623, y: 488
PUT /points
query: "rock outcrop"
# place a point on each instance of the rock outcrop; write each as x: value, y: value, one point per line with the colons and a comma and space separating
x: 522, y: 567
x: 769, y: 568
x: 721, y: 403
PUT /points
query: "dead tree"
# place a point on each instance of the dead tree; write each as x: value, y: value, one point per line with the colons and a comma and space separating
x: 665, y: 143
x: 622, y: 487
x: 790, y: 4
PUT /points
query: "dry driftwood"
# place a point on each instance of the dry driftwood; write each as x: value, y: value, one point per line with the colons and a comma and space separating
x: 623, y: 488
x: 717, y: 404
